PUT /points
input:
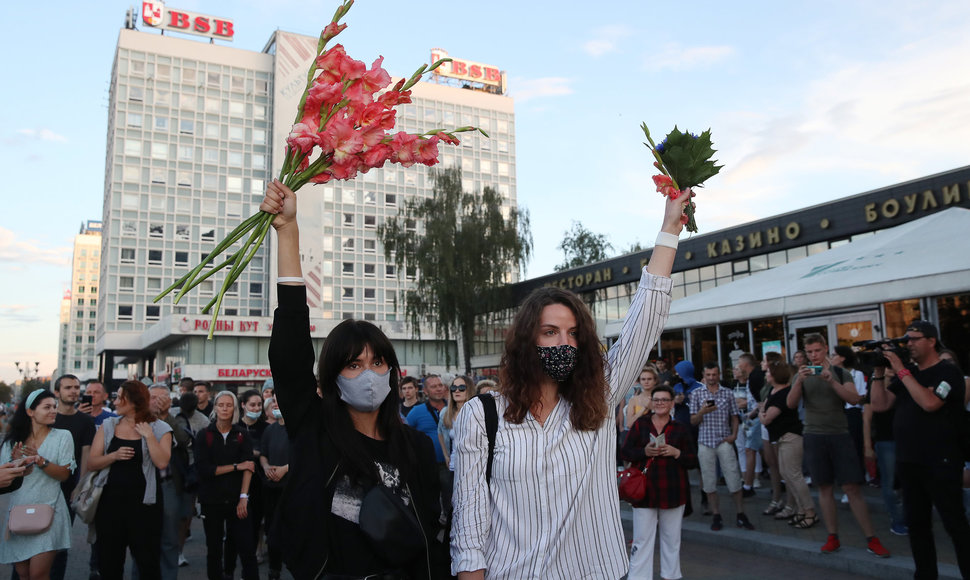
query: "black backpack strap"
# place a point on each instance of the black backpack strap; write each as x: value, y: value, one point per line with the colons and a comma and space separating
x: 491, y: 428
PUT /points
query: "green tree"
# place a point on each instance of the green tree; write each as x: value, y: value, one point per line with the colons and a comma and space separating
x: 580, y: 247
x: 6, y: 392
x: 461, y: 260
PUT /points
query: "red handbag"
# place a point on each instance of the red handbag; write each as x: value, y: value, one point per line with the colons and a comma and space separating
x: 632, y: 484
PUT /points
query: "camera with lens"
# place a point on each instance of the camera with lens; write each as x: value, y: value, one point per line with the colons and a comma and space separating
x: 870, y: 351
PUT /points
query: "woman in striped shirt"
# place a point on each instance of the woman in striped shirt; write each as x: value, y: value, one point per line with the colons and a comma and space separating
x: 551, y: 508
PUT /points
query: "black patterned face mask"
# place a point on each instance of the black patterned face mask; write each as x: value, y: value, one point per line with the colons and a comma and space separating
x: 558, y: 361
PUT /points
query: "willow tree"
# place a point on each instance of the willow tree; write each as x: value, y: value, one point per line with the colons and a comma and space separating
x: 461, y: 251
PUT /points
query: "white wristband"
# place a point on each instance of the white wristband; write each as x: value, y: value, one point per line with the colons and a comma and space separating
x: 284, y: 279
x: 663, y: 239
x: 244, y: 496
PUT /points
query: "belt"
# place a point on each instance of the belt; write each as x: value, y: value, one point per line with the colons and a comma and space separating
x: 166, y: 478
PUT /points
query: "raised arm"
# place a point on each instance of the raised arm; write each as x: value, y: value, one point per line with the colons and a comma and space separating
x: 291, y: 354
x: 650, y: 306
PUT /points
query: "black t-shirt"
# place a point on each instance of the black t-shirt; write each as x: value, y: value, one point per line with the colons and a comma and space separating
x: 787, y: 421
x: 126, y: 478
x: 81, y: 426
x: 351, y: 552
x: 756, y: 383
x: 930, y: 438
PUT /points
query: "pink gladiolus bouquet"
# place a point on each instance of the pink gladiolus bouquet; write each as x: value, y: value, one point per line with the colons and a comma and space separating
x: 684, y: 161
x: 342, y: 128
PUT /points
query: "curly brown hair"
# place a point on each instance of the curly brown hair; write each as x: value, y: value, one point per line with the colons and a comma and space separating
x: 521, y: 373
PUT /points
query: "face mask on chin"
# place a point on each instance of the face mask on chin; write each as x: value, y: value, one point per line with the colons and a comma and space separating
x: 254, y: 415
x: 558, y: 361
x: 366, y: 391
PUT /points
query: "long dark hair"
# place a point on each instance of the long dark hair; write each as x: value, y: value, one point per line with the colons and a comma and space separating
x: 342, y: 346
x: 244, y: 398
x: 19, y: 429
x: 521, y: 373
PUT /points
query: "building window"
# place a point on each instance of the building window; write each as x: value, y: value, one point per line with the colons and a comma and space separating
x: 187, y: 127
x: 348, y: 244
x: 370, y: 246
x: 370, y: 294
x: 208, y: 235
x: 255, y: 312
x: 161, y: 124
x: 135, y: 120
x: 347, y: 293
x: 370, y: 221
x: 80, y: 301
x: 155, y: 257
x: 348, y: 269
x: 370, y: 197
x: 124, y: 312
x: 160, y: 151
x: 154, y: 283
x: 127, y: 255
x: 389, y: 271
x: 181, y: 258
x: 370, y: 270
x: 390, y: 199
x: 152, y: 312
x: 255, y: 288
x: 186, y: 153
x: 136, y: 94
x: 231, y: 311
x: 132, y: 147
x: 233, y: 289
x: 156, y: 230
x: 348, y: 219
x: 126, y: 283
x: 213, y: 80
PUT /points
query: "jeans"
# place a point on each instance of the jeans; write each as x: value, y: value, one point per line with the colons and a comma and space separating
x: 886, y: 460
x: 923, y: 488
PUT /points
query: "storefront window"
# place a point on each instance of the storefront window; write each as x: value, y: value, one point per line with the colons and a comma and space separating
x: 769, y: 335
x: 734, y: 342
x: 954, y: 312
x: 899, y: 314
x: 703, y: 346
x: 672, y: 347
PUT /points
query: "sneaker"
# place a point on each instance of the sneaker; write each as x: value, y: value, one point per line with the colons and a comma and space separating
x: 718, y: 523
x: 845, y: 499
x: 182, y: 561
x: 899, y: 529
x: 832, y: 545
x: 757, y: 482
x: 875, y: 547
x: 747, y: 492
x: 743, y: 522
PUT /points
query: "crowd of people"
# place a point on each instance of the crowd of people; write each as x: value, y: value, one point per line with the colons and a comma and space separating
x: 341, y: 468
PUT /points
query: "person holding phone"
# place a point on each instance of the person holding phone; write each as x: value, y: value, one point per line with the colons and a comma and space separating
x: 715, y: 411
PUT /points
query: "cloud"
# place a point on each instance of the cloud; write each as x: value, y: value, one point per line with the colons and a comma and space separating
x: 541, y: 88
x: 42, y: 135
x: 17, y: 314
x: 605, y: 40
x: 677, y: 57
x: 29, y: 252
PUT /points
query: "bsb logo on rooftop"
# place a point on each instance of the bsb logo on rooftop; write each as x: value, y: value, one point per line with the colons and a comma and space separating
x: 156, y: 15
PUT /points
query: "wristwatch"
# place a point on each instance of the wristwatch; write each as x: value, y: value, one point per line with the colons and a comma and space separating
x: 235, y: 467
x: 44, y: 464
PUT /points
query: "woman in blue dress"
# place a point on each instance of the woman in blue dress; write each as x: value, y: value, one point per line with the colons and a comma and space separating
x: 50, y: 454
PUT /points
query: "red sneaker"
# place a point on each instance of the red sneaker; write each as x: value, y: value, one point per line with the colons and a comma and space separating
x: 833, y: 545
x: 876, y: 548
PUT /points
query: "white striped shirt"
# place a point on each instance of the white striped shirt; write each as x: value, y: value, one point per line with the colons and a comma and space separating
x: 552, y: 510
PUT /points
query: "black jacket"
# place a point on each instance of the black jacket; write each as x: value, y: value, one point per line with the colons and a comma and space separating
x: 211, y: 452
x: 300, y: 528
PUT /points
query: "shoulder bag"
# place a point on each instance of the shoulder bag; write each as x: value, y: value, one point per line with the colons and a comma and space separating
x: 84, y: 500
x: 30, y: 519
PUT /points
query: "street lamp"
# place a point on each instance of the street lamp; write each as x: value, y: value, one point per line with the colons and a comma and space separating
x: 26, y: 372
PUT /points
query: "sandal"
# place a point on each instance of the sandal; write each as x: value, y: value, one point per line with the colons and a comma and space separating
x: 793, y: 521
x: 806, y: 522
x: 785, y: 513
x: 773, y: 508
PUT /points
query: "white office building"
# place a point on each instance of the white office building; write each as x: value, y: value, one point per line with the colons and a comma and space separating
x: 79, y: 306
x: 195, y: 130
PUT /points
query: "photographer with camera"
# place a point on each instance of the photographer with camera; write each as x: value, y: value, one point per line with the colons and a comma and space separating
x: 928, y: 397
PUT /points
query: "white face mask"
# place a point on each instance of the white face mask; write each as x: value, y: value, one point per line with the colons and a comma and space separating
x: 366, y: 391
x: 277, y: 414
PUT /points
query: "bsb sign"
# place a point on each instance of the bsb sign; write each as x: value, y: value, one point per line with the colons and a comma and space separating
x: 467, y: 70
x: 156, y: 15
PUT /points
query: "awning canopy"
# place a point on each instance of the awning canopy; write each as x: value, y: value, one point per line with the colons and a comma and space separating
x: 926, y: 257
